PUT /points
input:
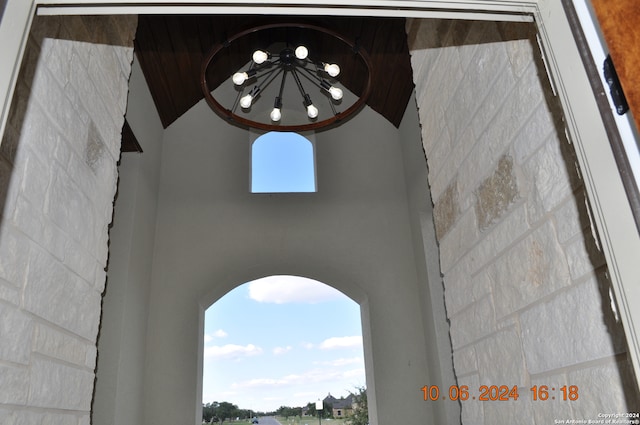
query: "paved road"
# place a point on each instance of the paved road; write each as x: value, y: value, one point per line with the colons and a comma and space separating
x: 268, y: 420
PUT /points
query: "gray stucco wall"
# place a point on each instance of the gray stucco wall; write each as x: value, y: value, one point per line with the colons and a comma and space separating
x: 119, y: 388
x: 430, y: 288
x: 354, y: 234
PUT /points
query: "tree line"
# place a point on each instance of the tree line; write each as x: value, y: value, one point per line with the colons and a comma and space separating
x: 219, y: 412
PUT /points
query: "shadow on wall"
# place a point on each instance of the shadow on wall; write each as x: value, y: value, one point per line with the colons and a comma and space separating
x: 512, y: 184
x: 89, y: 29
x: 57, y: 177
x: 3, y: 3
x: 590, y: 240
x: 451, y: 33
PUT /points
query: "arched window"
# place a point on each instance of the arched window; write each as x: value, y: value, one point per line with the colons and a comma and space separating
x: 281, y: 341
x: 282, y: 162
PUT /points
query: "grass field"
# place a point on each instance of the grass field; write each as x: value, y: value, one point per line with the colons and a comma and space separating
x: 295, y: 421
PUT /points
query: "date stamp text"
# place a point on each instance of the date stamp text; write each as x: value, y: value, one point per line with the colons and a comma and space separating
x: 500, y: 393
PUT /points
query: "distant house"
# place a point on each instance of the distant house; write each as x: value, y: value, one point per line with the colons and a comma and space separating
x: 341, y: 407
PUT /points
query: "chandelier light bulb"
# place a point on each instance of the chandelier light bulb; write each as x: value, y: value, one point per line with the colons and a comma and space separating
x: 239, y: 78
x: 279, y: 68
x: 302, y: 52
x: 260, y: 57
x: 312, y: 111
x: 275, y: 115
x: 245, y: 101
x: 332, y: 69
x: 336, y: 93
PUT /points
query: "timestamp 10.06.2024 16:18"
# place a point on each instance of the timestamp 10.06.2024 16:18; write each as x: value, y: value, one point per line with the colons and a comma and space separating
x: 500, y: 393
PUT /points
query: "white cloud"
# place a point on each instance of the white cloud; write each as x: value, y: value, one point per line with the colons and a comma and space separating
x: 291, y: 289
x: 341, y: 362
x: 260, y: 383
x: 217, y: 334
x: 218, y: 395
x: 310, y: 377
x: 307, y: 345
x: 306, y: 394
x: 354, y: 373
x: 282, y: 350
x: 341, y: 342
x: 232, y: 351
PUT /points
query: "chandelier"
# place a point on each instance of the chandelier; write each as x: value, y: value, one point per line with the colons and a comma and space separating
x: 283, y: 85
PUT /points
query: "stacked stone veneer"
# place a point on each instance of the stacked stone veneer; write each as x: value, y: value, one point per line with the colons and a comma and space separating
x: 526, y: 288
x: 57, y: 182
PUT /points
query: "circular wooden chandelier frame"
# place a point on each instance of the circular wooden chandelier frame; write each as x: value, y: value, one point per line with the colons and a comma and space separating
x: 234, y: 118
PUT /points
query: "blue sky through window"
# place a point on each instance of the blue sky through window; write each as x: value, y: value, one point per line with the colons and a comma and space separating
x: 282, y: 341
x: 282, y: 162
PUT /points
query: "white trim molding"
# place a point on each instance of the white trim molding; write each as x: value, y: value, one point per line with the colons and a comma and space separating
x: 14, y: 30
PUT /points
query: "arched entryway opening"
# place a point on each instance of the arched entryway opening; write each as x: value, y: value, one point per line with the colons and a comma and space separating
x: 282, y: 341
x: 350, y: 350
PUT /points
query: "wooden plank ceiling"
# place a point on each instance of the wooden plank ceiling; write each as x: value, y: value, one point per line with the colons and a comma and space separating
x: 170, y: 50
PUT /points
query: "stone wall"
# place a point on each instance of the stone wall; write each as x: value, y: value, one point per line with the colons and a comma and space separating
x: 57, y: 182
x: 526, y: 287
